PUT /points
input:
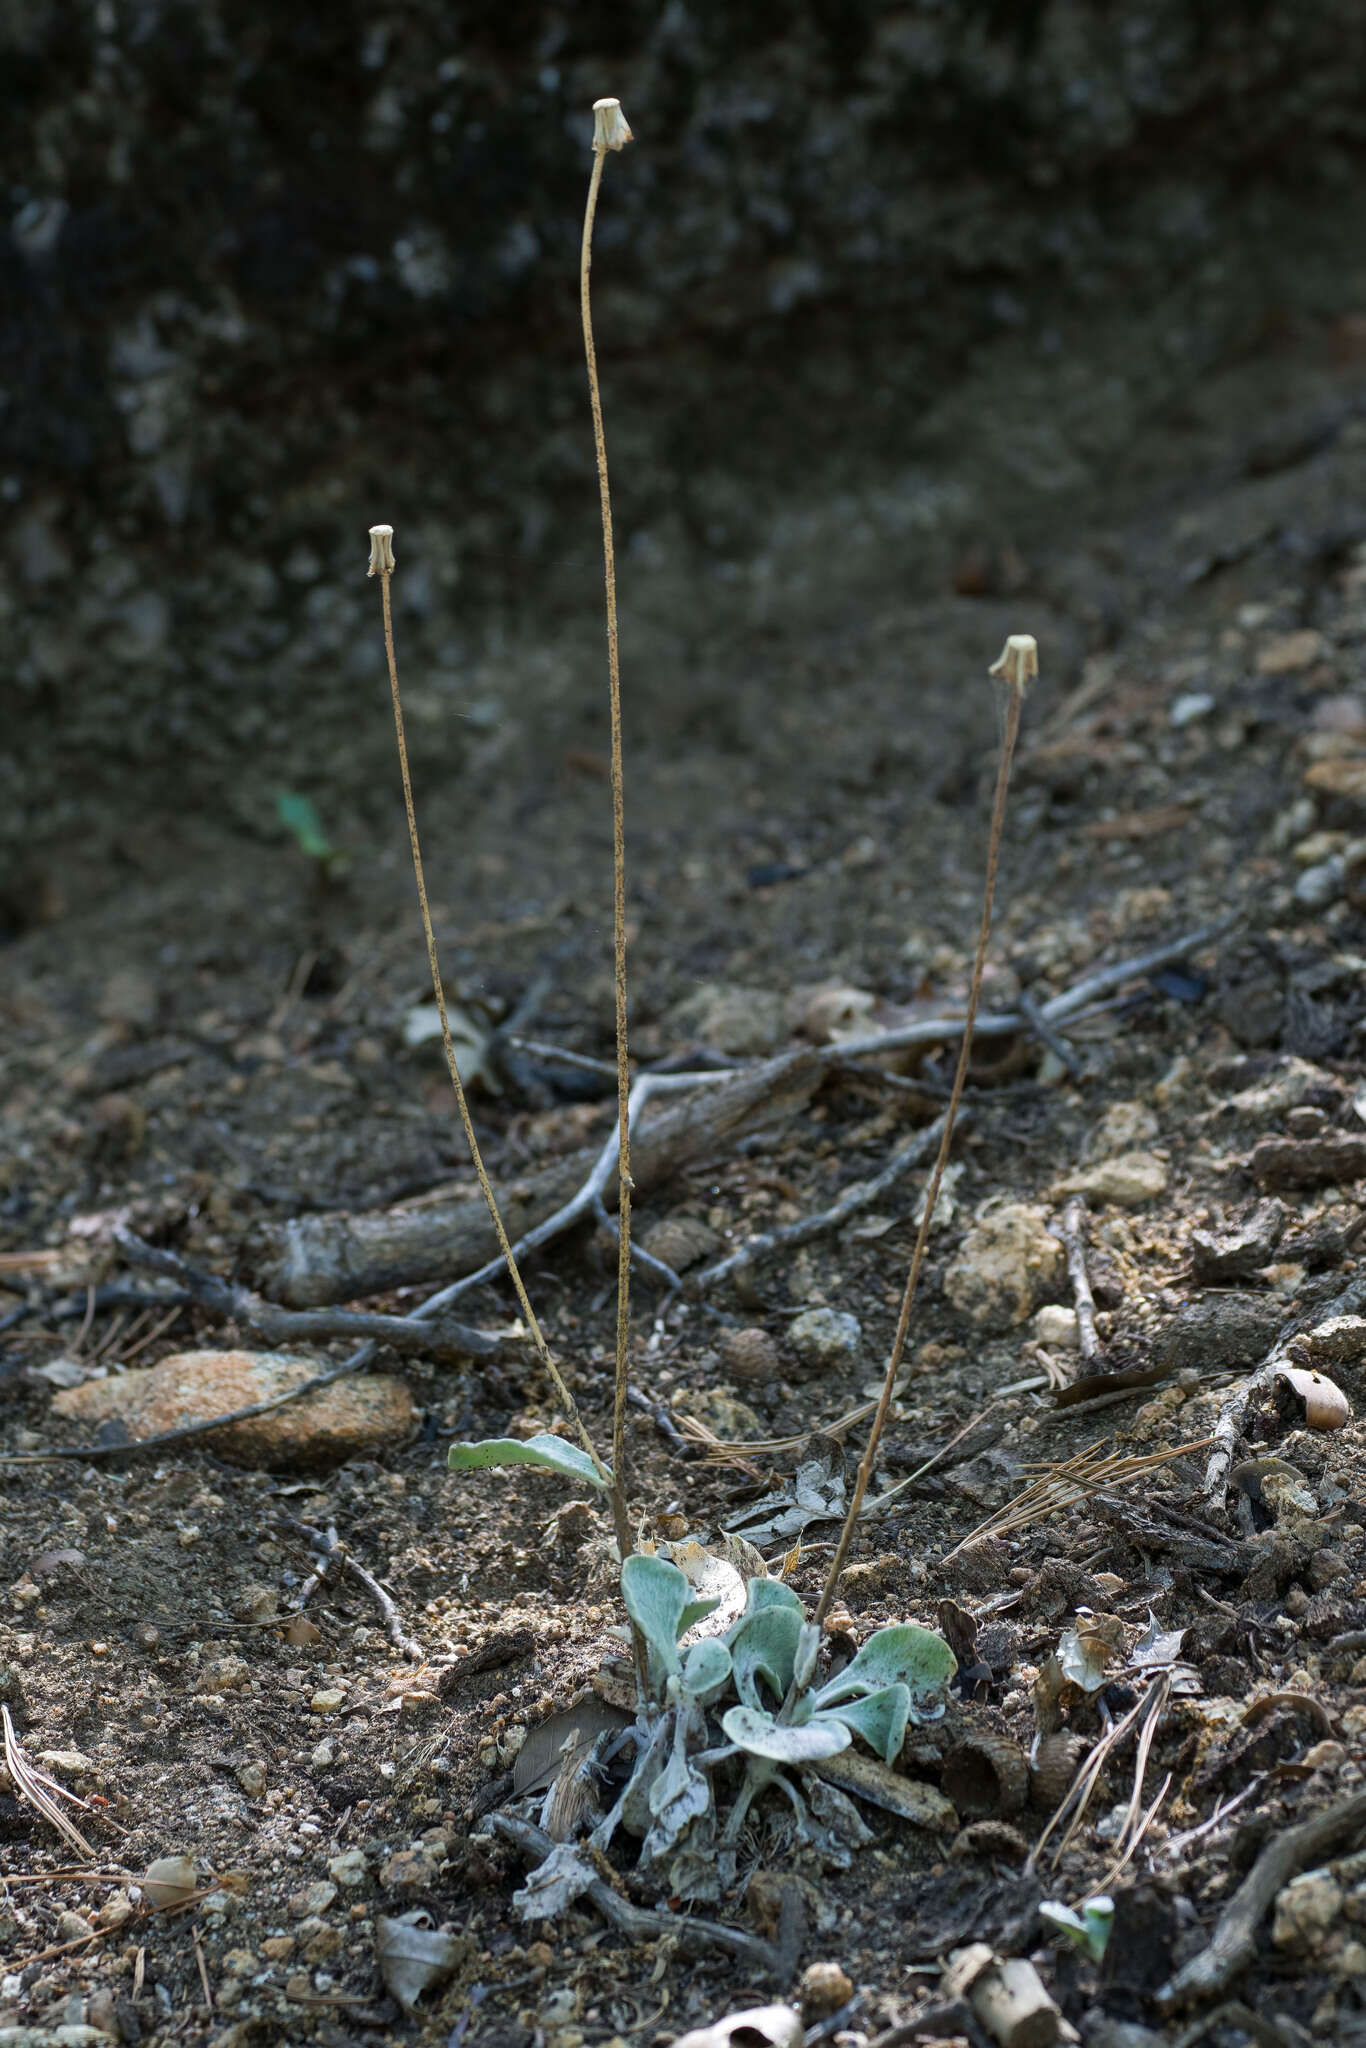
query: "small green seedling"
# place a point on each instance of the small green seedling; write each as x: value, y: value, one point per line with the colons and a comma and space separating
x: 299, y: 816
x: 1088, y: 1930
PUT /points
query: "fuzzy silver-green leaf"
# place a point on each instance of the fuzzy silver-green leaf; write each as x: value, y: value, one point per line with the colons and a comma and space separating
x: 550, y: 1453
x: 901, y: 1655
x: 760, y: 1735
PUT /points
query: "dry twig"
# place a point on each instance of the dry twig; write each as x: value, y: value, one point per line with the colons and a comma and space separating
x: 611, y: 132
x: 1234, y: 1941
x: 336, y: 1555
x: 441, y: 1339
x: 689, y: 1936
x: 382, y: 563
x: 859, y: 1195
x: 1074, y: 1242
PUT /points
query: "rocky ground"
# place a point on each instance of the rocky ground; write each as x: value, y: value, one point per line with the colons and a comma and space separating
x: 234, y: 1039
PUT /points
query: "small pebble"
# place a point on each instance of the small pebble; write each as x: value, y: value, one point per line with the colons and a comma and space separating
x: 349, y: 1868
x: 252, y: 1779
x: 749, y: 1354
x: 328, y: 1701
x: 1192, y: 705
x: 1319, y: 886
x: 312, y: 1900
x: 823, y: 1989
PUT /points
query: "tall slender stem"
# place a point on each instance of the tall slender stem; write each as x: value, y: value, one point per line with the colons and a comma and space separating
x: 865, y: 1470
x: 624, y: 1185
x: 543, y: 1351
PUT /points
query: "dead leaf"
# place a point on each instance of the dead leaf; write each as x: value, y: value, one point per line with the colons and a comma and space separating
x: 413, y: 1954
x: 1086, y: 1652
x: 575, y: 1727
x: 302, y: 1631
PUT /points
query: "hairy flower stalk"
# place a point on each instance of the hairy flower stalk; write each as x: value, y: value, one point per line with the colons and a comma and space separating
x: 611, y: 132
x: 1018, y: 663
x: 382, y: 565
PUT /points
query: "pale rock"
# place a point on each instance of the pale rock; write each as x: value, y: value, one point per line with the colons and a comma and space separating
x: 312, y: 1900
x: 116, y: 1912
x: 223, y: 1674
x: 1008, y: 1261
x: 1306, y: 1911
x: 1127, y: 1180
x: 1286, y: 654
x: 251, y: 1777
x: 826, y: 1339
x: 1125, y: 1127
x: 348, y: 1869
x: 823, y: 1989
x: 1322, y: 884
x: 1056, y: 1328
x: 330, y: 1699
x: 1290, y: 1499
x: 773, y: 2026
x: 354, y: 1415
x: 747, y: 1022
x: 732, y: 1420
x: 1291, y: 1085
x: 414, y: 1868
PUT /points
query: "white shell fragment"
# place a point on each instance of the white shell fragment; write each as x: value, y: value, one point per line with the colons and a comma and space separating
x: 779, y: 2025
x: 170, y: 1880
x: 1325, y: 1404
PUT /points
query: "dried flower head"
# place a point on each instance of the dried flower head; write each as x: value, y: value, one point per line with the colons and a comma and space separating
x: 609, y: 125
x: 381, y: 551
x: 1019, y: 661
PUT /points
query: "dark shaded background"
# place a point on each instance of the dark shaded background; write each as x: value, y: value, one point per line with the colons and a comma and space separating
x: 877, y: 289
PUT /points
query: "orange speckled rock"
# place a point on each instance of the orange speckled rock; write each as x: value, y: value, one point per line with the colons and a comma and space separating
x: 353, y: 1415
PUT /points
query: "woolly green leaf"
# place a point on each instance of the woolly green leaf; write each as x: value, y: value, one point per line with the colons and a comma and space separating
x: 879, y: 1719
x: 550, y: 1453
x: 764, y: 1646
x: 761, y: 1735
x: 762, y: 1593
x: 706, y: 1669
x: 902, y: 1655
x: 656, y: 1596
x: 695, y: 1611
